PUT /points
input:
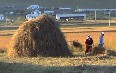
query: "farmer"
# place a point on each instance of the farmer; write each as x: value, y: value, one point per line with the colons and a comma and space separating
x: 89, y: 43
x: 101, y: 40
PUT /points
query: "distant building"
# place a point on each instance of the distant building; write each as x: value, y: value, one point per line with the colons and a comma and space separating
x: 49, y: 12
x: 62, y: 8
x: 33, y: 7
x: 70, y: 16
x: 33, y: 15
x: 1, y: 17
x: 36, y: 12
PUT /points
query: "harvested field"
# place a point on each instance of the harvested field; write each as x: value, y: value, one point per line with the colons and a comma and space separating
x: 90, y: 64
x: 77, y: 64
x: 79, y: 35
x: 4, y: 42
x: 109, y: 38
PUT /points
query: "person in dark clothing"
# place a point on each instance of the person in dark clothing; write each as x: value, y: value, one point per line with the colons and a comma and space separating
x: 89, y: 43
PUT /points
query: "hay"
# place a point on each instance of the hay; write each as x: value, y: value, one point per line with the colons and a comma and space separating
x: 77, y: 44
x: 98, y: 50
x: 111, y: 52
x: 40, y: 36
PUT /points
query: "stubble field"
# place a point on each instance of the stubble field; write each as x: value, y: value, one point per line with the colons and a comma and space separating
x: 80, y: 63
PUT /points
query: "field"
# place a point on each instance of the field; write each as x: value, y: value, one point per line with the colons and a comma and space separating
x: 79, y: 63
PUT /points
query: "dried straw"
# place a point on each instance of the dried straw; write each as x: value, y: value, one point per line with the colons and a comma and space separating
x: 40, y: 36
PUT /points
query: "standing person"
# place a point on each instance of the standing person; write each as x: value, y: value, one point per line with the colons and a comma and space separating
x: 89, y: 43
x: 101, y: 40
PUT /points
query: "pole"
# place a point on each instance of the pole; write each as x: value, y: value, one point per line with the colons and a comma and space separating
x: 109, y: 18
x: 6, y: 20
x: 77, y: 7
x: 95, y: 15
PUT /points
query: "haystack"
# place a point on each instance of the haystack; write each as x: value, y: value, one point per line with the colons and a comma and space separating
x: 39, y: 37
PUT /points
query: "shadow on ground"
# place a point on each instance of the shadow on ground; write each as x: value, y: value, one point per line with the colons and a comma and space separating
x: 111, y: 52
x: 29, y: 68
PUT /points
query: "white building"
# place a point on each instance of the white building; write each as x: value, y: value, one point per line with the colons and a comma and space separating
x: 36, y: 12
x: 33, y: 7
x: 62, y: 8
x: 1, y: 17
x: 33, y: 15
x: 70, y: 16
x: 49, y: 12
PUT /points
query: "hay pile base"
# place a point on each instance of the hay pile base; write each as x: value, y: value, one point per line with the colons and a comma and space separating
x: 40, y: 36
x: 98, y: 50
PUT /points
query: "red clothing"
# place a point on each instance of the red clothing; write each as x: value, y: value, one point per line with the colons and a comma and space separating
x: 88, y: 42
